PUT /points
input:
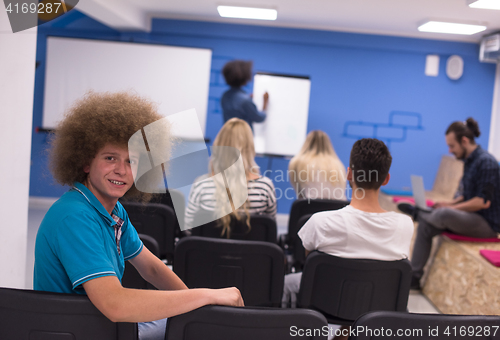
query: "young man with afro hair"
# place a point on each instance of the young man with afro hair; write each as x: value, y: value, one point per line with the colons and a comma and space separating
x: 86, y: 235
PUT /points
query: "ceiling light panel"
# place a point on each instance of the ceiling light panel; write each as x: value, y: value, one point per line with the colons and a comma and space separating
x: 485, y: 4
x: 247, y: 12
x: 450, y: 28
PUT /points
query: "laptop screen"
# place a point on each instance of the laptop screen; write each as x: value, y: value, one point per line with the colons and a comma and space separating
x: 417, y: 185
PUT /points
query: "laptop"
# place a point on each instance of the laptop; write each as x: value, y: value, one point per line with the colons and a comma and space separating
x: 417, y: 186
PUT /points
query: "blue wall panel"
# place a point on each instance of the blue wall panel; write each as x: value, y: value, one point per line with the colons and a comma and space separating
x: 74, y: 25
x: 354, y: 78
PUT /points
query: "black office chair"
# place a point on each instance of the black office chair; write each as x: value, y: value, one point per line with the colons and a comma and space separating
x: 263, y: 228
x: 255, y: 268
x: 156, y: 220
x: 409, y: 326
x: 343, y: 289
x: 299, y: 252
x: 169, y: 198
x: 244, y: 323
x: 290, y: 242
x: 35, y: 315
x: 302, y: 207
x: 131, y: 277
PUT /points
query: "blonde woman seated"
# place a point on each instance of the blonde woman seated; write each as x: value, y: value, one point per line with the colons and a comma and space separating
x: 209, y: 195
x: 316, y: 171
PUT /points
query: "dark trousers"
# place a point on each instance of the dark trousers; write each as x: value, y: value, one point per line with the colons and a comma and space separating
x: 444, y: 219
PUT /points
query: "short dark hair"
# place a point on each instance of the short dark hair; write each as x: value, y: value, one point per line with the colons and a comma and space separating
x: 370, y: 162
x: 469, y: 129
x: 237, y: 72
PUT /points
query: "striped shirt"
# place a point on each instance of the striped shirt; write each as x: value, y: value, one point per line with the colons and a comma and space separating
x: 261, y: 199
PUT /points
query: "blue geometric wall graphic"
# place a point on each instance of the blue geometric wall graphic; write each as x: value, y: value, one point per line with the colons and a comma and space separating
x: 394, y: 131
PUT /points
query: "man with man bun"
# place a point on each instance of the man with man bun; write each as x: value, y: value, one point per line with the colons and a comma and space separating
x: 475, y: 211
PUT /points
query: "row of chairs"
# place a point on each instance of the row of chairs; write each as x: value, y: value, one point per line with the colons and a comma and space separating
x: 29, y: 315
x: 341, y: 289
x: 256, y: 268
x: 159, y: 221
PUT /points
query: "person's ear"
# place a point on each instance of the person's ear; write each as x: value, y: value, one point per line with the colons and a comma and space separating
x: 86, y: 169
x: 349, y: 174
x: 386, y: 180
x: 465, y: 141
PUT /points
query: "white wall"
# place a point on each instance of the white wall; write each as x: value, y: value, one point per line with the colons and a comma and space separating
x: 494, y: 141
x: 17, y: 76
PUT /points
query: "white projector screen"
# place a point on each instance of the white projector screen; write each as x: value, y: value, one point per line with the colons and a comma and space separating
x: 176, y: 78
x: 285, y: 128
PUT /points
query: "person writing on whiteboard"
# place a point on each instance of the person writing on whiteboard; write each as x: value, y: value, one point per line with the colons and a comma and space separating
x: 86, y: 236
x: 235, y: 102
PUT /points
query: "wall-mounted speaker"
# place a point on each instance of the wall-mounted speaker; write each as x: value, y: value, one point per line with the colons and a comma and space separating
x: 454, y: 67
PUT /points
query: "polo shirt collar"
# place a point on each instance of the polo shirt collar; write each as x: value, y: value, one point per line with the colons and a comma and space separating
x: 474, y: 155
x: 94, y: 202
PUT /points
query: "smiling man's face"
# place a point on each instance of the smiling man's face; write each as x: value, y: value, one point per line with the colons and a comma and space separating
x: 110, y: 174
x: 454, y: 146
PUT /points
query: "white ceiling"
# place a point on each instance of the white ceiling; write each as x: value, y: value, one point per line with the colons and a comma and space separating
x: 386, y: 17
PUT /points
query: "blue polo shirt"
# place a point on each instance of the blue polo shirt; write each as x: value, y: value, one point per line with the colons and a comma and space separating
x: 77, y: 241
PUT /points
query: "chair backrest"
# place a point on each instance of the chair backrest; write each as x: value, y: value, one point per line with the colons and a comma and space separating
x: 411, y: 326
x: 246, y: 323
x: 255, y: 268
x: 299, y: 252
x: 306, y: 206
x: 29, y: 314
x: 131, y: 277
x: 156, y: 220
x: 175, y: 200
x: 263, y: 228
x: 343, y: 289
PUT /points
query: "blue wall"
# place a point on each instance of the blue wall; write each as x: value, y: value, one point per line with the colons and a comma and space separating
x: 362, y: 86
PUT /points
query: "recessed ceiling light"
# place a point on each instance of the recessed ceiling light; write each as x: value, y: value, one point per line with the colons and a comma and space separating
x: 450, y: 27
x: 247, y: 12
x: 486, y: 4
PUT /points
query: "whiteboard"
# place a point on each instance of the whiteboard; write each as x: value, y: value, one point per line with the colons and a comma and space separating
x: 176, y: 78
x: 285, y: 128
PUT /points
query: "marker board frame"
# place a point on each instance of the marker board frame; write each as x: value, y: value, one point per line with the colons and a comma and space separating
x: 285, y: 129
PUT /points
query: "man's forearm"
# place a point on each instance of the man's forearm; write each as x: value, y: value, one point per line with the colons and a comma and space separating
x: 141, y: 305
x: 448, y: 204
x: 472, y: 205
